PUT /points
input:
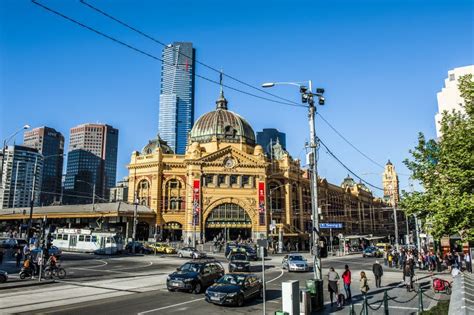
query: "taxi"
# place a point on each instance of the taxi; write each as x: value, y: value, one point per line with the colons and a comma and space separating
x: 162, y: 248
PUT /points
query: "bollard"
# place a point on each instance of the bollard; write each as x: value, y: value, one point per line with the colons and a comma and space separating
x: 366, y: 305
x: 385, y: 302
x: 420, y: 300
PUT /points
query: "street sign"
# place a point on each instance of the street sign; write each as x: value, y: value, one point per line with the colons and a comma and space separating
x: 330, y: 225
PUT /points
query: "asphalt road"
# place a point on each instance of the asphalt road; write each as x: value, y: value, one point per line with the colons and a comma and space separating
x: 135, y: 285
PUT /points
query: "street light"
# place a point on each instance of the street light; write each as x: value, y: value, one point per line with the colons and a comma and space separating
x: 5, y: 142
x: 307, y: 96
x: 93, y: 191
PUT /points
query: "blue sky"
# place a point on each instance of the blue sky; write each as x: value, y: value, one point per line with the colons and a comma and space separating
x: 381, y: 63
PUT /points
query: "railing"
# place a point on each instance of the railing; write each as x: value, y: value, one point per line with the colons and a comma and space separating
x: 462, y: 301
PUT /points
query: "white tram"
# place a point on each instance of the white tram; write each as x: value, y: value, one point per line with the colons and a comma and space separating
x: 87, y: 241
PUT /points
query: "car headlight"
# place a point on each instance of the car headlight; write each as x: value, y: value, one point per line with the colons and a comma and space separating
x: 232, y: 294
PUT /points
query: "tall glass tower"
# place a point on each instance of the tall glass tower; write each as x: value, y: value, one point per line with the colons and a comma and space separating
x: 176, y: 115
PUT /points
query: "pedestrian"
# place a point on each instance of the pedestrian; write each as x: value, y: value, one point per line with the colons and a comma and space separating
x: 390, y: 259
x: 408, y: 275
x: 385, y: 257
x: 333, y: 278
x: 346, y: 278
x: 18, y: 256
x: 468, y: 260
x: 364, y: 283
x: 378, y: 272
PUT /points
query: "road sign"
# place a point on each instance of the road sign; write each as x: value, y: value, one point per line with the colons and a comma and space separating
x: 330, y: 225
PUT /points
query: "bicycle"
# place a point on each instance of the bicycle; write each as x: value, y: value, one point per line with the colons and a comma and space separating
x: 55, y: 271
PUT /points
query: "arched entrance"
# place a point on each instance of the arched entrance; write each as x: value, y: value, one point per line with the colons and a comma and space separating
x: 142, y: 231
x: 172, y: 231
x: 228, y: 221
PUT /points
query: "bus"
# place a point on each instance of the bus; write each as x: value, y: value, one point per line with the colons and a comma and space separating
x: 88, y: 241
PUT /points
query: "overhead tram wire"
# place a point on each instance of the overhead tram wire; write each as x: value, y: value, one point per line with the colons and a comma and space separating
x: 347, y: 168
x: 181, y: 53
x: 157, y: 58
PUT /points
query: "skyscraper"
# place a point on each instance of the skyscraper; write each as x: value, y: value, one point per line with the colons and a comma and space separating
x: 268, y: 137
x: 176, y: 115
x: 22, y: 169
x: 50, y: 143
x: 91, y: 162
x: 449, y: 97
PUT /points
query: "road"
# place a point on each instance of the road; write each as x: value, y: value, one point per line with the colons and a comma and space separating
x: 136, y: 285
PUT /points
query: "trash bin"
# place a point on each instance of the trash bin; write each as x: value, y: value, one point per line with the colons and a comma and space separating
x: 305, y: 302
x: 315, y: 288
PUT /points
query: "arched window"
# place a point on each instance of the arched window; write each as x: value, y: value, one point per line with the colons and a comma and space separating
x: 144, y: 192
x: 174, y: 195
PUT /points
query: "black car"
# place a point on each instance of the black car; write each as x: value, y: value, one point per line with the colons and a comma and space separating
x: 234, y: 289
x: 239, y: 262
x: 195, y: 275
x: 239, y: 248
x: 139, y: 248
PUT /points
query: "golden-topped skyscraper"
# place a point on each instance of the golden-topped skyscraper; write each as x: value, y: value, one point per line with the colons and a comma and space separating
x: 390, y: 184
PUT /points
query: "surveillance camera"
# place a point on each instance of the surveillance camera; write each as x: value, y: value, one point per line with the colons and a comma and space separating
x: 320, y: 91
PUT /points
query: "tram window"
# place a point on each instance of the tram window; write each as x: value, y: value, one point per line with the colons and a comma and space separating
x: 88, y: 238
x: 65, y: 237
x: 59, y: 237
x: 108, y: 239
x: 81, y: 238
x: 94, y: 238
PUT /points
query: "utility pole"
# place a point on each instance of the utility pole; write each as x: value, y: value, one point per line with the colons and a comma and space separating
x: 32, y: 201
x: 93, y: 197
x: 134, y: 222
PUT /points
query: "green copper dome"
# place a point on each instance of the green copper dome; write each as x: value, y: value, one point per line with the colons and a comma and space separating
x: 157, y: 143
x: 223, y: 124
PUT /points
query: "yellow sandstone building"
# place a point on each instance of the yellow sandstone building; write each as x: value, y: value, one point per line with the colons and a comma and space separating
x: 224, y: 185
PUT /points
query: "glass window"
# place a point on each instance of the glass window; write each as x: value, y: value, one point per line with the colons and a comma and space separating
x: 108, y: 240
x: 233, y: 179
x: 65, y: 237
x: 88, y: 238
x: 245, y: 180
x: 59, y: 237
x: 221, y: 180
x: 94, y: 238
x: 81, y: 238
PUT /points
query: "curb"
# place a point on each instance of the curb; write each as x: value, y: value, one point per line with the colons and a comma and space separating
x: 23, y: 284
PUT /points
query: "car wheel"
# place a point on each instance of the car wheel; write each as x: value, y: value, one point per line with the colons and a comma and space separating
x: 3, y: 279
x: 22, y: 275
x: 197, y: 288
x: 240, y: 300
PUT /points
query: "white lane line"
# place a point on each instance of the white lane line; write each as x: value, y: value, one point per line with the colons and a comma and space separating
x: 281, y: 275
x: 170, y: 306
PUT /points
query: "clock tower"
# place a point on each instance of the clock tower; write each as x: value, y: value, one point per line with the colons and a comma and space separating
x: 390, y: 184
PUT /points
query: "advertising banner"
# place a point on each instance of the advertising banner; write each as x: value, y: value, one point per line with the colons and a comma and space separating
x: 196, y: 200
x: 261, y: 203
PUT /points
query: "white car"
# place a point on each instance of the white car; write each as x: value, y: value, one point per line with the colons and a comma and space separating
x: 190, y: 252
x: 295, y: 262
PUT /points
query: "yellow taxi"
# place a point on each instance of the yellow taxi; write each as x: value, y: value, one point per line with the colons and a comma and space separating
x: 162, y: 248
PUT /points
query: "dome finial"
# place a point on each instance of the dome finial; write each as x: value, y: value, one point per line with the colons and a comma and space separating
x: 221, y: 101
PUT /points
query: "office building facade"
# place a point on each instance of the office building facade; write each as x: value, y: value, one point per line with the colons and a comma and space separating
x: 449, y: 97
x: 22, y: 170
x: 92, y: 163
x: 176, y: 114
x: 50, y: 143
x: 269, y: 137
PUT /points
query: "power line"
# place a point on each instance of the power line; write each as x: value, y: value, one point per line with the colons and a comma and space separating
x: 347, y: 168
x: 181, y: 53
x: 156, y: 58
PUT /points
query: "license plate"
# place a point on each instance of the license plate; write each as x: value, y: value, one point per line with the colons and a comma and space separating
x: 175, y: 284
x: 240, y: 267
x: 215, y: 298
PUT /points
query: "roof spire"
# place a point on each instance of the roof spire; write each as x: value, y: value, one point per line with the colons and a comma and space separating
x: 221, y: 101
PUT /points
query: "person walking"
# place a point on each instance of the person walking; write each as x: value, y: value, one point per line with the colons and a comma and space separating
x: 364, y: 283
x: 346, y: 279
x: 468, y: 260
x: 378, y: 272
x: 18, y: 256
x: 333, y: 288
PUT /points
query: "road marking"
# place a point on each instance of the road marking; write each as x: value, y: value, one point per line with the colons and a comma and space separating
x: 170, y: 306
x: 281, y: 275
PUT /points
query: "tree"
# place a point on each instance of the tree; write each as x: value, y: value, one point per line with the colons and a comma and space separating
x: 445, y: 169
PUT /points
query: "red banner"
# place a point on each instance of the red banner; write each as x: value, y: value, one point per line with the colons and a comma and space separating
x: 196, y: 200
x: 261, y: 202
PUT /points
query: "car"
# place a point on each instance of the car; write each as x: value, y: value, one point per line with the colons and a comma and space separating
x: 3, y: 276
x: 239, y: 262
x: 53, y: 250
x: 372, y: 252
x: 294, y: 262
x: 13, y: 243
x: 139, y: 248
x: 191, y: 252
x: 234, y: 289
x: 161, y: 248
x: 195, y: 275
x: 235, y: 248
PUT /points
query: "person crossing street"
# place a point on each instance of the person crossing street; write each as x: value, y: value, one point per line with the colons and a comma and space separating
x: 378, y: 272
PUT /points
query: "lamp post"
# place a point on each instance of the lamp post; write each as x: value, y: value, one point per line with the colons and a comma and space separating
x: 5, y: 142
x: 307, y: 97
x: 93, y: 191
x: 134, y: 231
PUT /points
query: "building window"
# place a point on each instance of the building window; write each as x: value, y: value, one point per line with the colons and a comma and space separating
x: 221, y: 180
x: 209, y: 180
x: 144, y: 192
x: 452, y: 77
x: 174, y: 195
x: 233, y: 180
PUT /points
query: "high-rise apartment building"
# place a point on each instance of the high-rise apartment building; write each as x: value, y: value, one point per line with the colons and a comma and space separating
x: 91, y: 163
x: 176, y: 115
x: 22, y: 169
x: 270, y: 136
x: 50, y: 143
x: 449, y: 97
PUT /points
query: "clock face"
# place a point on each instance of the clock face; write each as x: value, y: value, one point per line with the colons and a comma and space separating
x: 229, y: 163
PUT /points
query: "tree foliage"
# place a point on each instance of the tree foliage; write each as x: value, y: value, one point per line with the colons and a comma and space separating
x: 445, y: 169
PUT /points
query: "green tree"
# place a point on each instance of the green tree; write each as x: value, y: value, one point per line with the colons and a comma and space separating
x: 445, y: 169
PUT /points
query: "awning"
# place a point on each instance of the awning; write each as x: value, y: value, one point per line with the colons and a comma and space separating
x: 375, y: 238
x: 352, y: 237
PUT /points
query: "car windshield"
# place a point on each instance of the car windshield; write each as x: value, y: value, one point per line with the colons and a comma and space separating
x: 296, y: 258
x: 190, y: 267
x: 238, y: 257
x: 232, y: 279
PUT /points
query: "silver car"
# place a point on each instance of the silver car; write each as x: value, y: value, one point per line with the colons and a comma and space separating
x: 294, y: 262
x: 190, y: 252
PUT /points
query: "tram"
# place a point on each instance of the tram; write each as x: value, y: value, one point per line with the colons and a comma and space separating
x: 88, y: 241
